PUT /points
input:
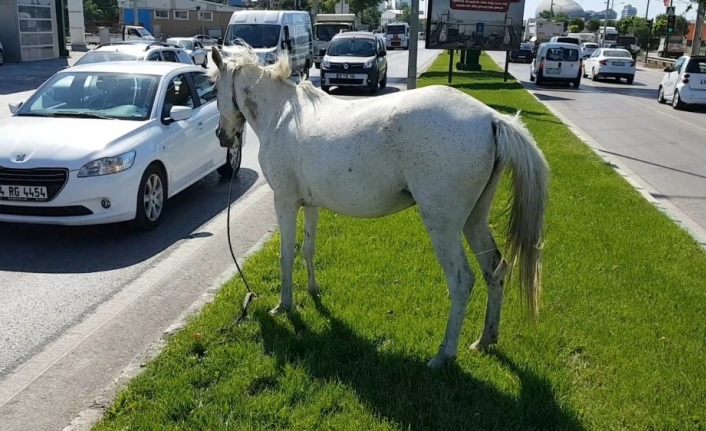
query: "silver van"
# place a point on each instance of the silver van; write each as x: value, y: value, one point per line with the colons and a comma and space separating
x: 270, y: 32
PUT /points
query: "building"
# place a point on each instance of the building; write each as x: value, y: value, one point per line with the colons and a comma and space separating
x: 179, y: 18
x: 392, y: 15
x: 628, y: 11
x: 29, y: 30
x: 568, y: 7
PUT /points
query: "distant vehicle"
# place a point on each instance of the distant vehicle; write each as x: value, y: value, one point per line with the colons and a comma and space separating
x: 684, y: 83
x: 583, y: 37
x: 545, y: 30
x: 566, y: 39
x: 127, y: 33
x: 523, y: 54
x: 205, y: 39
x: 355, y: 59
x: 588, y: 48
x: 135, y: 51
x: 610, y: 36
x: 675, y: 49
x: 113, y: 146
x: 271, y: 32
x: 557, y: 62
x: 326, y: 27
x: 629, y: 42
x: 397, y: 35
x: 2, y: 54
x: 610, y: 63
x: 193, y: 47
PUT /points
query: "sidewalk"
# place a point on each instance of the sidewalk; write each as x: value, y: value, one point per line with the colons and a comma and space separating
x: 20, y: 77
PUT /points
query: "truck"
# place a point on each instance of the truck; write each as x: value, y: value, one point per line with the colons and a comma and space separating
x: 126, y: 33
x: 629, y: 42
x: 583, y: 37
x: 676, y: 48
x: 328, y: 25
x: 545, y: 30
x: 608, y: 38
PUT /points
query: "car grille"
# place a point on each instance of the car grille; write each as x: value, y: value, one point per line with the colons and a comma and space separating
x: 340, y: 81
x: 339, y: 66
x: 53, y: 179
x: 76, y: 210
x: 322, y: 52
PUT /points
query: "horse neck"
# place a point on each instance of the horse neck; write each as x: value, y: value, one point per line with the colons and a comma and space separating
x: 265, y: 99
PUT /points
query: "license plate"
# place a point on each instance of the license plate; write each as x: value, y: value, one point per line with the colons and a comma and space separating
x: 23, y: 193
x: 618, y: 63
x: 553, y: 71
x: 703, y: 82
x: 345, y: 76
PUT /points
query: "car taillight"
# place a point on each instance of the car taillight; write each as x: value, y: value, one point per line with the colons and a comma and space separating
x: 685, y: 78
x: 602, y: 62
x: 541, y: 63
x: 632, y: 64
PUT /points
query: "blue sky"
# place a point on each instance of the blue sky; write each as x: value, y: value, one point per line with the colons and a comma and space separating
x: 656, y: 7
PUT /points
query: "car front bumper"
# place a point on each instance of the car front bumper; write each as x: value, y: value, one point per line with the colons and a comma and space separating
x: 352, y: 77
x: 81, y: 202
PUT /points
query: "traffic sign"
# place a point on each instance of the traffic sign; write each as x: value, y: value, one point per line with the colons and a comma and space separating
x: 670, y: 10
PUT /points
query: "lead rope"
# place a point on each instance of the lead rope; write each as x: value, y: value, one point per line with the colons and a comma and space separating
x: 250, y: 295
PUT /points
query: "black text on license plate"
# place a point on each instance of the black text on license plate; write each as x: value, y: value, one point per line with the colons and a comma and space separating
x: 553, y: 71
x: 345, y: 76
x: 23, y: 193
x: 618, y: 64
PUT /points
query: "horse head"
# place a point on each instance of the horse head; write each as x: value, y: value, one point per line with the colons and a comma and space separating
x: 231, y: 122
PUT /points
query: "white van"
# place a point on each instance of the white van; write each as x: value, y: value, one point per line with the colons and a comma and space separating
x: 557, y: 62
x: 270, y: 32
x: 397, y: 35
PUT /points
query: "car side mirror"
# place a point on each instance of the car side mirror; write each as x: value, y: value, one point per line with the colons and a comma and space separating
x: 668, y: 69
x: 14, y: 106
x: 180, y: 113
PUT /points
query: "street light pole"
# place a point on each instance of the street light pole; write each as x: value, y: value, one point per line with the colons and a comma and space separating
x: 605, y: 20
x: 413, y: 44
x: 698, y: 28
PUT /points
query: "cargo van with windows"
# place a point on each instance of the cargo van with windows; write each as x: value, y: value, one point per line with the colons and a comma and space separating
x: 271, y: 32
x: 557, y: 62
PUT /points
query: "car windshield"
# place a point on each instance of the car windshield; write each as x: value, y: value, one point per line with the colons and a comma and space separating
x: 326, y: 32
x: 395, y: 29
x: 108, y: 95
x: 568, y: 40
x: 526, y: 47
x: 255, y: 35
x: 101, y: 56
x: 352, y: 47
x: 591, y: 46
x: 181, y: 43
x: 562, y: 54
x: 616, y: 53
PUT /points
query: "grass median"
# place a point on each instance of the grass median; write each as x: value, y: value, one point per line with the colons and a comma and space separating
x: 620, y: 342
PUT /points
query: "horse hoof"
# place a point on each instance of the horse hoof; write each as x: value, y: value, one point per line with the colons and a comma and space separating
x: 439, y: 360
x: 279, y: 309
x: 314, y: 290
x: 481, y: 345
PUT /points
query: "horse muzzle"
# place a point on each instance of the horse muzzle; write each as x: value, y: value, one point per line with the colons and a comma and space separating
x: 223, y: 138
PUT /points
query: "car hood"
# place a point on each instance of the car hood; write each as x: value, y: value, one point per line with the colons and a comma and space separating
x: 346, y: 59
x: 31, y: 142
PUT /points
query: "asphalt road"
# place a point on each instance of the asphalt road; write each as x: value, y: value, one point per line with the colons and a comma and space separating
x: 664, y: 147
x: 53, y: 278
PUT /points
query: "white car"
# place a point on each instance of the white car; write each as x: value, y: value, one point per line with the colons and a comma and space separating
x: 684, y: 83
x: 206, y: 40
x: 192, y: 47
x: 588, y: 48
x: 136, y: 51
x: 110, y: 142
x: 610, y: 63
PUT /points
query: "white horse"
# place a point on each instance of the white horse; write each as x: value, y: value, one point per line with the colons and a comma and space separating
x: 435, y: 147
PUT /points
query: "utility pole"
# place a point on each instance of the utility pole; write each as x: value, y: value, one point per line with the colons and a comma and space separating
x: 605, y: 20
x: 134, y: 7
x: 649, y: 31
x: 413, y: 44
x: 698, y: 28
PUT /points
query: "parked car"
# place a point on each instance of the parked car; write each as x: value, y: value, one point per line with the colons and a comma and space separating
x: 557, y: 62
x: 205, y: 39
x: 355, y: 59
x: 610, y: 63
x: 588, y: 48
x: 113, y: 145
x: 523, y: 54
x: 2, y: 54
x: 684, y: 82
x: 136, y: 51
x: 192, y: 47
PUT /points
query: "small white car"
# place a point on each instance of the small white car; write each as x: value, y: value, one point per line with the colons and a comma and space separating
x: 192, y: 47
x: 557, y: 62
x: 684, y: 82
x: 206, y: 40
x: 610, y: 63
x: 110, y: 142
x: 136, y: 51
x: 588, y: 48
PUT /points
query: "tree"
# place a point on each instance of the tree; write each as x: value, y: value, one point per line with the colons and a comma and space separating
x: 659, y: 28
x: 573, y: 28
x: 100, y: 10
x: 295, y: 5
x: 578, y: 23
x: 371, y: 17
x: 594, y: 24
x: 357, y: 6
x: 406, y: 13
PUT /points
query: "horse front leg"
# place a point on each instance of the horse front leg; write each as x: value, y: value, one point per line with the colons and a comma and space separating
x: 286, y: 210
x: 311, y: 219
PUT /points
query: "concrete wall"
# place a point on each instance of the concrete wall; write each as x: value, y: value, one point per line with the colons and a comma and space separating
x: 9, y: 31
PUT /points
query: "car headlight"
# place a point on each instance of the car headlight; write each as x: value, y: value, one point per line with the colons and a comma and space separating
x: 368, y: 64
x: 325, y: 64
x: 107, y: 165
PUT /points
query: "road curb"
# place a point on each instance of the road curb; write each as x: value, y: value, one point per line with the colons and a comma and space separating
x: 697, y: 232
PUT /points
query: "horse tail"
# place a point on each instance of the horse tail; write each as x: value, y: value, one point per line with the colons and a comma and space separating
x: 517, y: 149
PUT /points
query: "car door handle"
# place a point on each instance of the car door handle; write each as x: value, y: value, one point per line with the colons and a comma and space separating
x: 199, y: 125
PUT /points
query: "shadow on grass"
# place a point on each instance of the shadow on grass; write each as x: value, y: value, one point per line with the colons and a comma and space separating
x: 483, y: 80
x: 406, y: 392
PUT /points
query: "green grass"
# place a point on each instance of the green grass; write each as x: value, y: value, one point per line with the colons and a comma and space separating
x: 620, y: 342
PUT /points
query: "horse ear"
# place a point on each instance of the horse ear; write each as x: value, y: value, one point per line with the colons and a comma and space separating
x: 216, y: 56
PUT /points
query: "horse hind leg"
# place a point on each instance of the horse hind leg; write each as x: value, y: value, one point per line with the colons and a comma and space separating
x: 448, y: 247
x: 286, y: 210
x: 311, y: 219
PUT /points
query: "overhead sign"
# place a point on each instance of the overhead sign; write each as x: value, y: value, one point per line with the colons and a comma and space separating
x: 480, y: 25
x: 670, y: 10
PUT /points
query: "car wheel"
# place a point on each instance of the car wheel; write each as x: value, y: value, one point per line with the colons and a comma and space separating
x: 660, y: 95
x: 531, y: 76
x: 2, y: 57
x: 383, y: 83
x: 205, y: 62
x: 539, y: 79
x: 593, y: 75
x: 234, y: 158
x: 630, y: 80
x: 307, y: 68
x: 676, y: 101
x: 576, y: 83
x: 374, y: 86
x: 317, y: 65
x: 151, y: 196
